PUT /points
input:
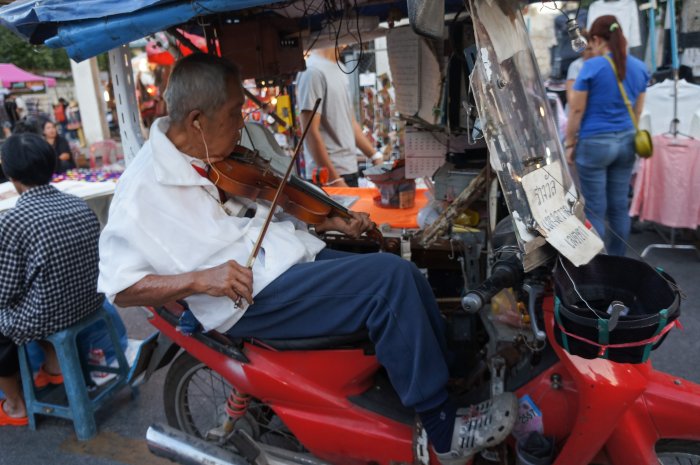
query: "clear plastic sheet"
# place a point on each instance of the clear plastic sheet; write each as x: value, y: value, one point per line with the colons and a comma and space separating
x: 515, y: 114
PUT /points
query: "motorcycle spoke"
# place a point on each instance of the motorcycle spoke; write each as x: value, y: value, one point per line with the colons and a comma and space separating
x: 205, y: 393
x: 206, y: 389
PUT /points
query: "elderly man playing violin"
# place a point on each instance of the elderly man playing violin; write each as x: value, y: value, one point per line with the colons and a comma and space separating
x: 172, y: 236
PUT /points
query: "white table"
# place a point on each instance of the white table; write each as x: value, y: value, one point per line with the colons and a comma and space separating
x: 98, y: 195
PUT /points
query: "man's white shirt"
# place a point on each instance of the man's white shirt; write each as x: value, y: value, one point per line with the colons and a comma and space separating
x: 166, y: 219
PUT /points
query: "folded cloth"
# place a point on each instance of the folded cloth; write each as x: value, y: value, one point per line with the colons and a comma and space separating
x: 7, y: 420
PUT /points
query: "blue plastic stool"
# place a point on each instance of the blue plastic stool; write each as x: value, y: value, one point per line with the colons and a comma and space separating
x: 76, y: 377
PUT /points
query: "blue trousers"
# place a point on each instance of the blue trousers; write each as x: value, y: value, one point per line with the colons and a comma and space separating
x: 604, y: 163
x: 341, y: 293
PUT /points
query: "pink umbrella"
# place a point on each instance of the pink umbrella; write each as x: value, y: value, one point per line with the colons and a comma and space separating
x: 10, y: 74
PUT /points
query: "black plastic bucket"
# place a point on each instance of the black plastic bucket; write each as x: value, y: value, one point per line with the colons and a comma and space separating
x: 650, y: 295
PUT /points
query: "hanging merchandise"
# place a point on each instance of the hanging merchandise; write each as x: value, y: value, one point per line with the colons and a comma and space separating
x: 659, y: 103
x: 667, y: 186
x: 626, y: 13
x: 690, y: 35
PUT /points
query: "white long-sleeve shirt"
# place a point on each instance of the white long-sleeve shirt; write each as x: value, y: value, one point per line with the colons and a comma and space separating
x: 627, y: 15
x: 166, y: 219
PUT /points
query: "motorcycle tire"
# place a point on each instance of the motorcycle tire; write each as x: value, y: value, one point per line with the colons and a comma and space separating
x: 184, y: 374
x: 194, y: 397
x: 675, y: 452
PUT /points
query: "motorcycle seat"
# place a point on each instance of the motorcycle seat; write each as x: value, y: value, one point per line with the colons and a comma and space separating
x: 358, y: 339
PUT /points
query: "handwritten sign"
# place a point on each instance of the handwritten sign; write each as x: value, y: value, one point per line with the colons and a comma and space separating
x: 546, y: 195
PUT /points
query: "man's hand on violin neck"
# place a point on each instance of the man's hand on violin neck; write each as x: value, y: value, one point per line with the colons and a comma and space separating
x: 353, y: 227
x: 229, y: 279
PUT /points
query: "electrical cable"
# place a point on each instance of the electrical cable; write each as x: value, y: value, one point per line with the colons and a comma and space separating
x: 576, y: 289
x: 357, y: 61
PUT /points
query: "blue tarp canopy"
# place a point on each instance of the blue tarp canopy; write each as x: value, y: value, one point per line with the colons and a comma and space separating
x: 86, y: 28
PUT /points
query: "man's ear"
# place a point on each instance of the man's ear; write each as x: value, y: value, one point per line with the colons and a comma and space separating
x: 193, y: 120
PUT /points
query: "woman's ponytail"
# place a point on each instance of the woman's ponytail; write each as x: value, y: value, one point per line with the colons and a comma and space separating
x: 607, y: 28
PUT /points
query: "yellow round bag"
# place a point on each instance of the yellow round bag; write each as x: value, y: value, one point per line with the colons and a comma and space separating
x: 642, y: 139
x: 643, y: 144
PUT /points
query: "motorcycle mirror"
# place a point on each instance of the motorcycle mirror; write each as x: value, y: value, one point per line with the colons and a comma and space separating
x: 427, y: 17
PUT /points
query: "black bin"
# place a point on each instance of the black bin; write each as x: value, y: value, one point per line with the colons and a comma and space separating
x: 651, y: 296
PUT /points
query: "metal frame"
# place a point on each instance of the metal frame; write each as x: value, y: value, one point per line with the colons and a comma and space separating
x: 130, y: 125
x: 670, y: 243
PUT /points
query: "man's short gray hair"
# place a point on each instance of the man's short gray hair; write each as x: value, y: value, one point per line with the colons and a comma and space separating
x: 198, y: 82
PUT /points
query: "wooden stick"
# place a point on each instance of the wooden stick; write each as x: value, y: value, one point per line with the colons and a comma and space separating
x: 475, y: 189
x: 283, y: 182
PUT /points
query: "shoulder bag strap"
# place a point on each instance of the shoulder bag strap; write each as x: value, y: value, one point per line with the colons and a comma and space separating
x: 622, y: 91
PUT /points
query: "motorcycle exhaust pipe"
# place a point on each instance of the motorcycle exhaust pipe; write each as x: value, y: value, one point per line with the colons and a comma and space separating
x: 184, y: 449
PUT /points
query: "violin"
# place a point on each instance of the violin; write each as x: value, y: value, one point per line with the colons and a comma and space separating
x: 246, y: 174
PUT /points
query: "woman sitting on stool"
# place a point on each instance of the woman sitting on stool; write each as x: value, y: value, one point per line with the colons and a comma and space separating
x: 48, y: 266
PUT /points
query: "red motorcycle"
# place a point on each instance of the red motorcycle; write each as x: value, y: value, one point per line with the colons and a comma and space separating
x: 327, y: 400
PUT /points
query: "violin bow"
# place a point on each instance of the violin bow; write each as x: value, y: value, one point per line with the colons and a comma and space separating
x: 283, y: 182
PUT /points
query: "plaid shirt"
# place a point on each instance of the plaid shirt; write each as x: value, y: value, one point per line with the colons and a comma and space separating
x: 48, y: 264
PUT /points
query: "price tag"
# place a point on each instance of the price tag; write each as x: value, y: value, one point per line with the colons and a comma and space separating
x: 545, y: 193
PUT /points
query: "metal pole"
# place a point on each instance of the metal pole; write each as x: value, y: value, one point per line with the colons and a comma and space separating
x: 674, y: 64
x: 652, y: 34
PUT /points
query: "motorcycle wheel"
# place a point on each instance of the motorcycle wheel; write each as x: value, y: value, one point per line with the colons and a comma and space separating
x: 677, y: 452
x: 194, y: 399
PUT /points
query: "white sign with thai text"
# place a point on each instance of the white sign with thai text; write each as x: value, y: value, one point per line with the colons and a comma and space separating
x: 555, y: 221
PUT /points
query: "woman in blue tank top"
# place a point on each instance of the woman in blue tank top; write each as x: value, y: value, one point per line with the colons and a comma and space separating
x: 600, y: 131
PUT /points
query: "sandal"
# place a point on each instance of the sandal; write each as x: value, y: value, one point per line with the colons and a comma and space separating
x: 481, y: 426
x: 43, y: 378
x: 7, y: 420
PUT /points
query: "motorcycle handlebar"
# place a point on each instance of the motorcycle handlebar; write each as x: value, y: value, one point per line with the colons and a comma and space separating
x: 505, y: 273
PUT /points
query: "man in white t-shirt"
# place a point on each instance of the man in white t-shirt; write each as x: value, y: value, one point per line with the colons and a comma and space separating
x: 334, y: 135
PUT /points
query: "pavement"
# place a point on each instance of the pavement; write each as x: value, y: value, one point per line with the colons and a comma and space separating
x: 123, y: 423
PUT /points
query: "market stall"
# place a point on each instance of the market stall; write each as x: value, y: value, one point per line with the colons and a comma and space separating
x: 667, y: 185
x: 14, y: 78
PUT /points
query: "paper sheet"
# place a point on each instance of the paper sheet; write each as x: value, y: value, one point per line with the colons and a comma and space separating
x: 403, y: 46
x: 425, y: 151
x: 555, y: 221
x: 416, y: 74
x: 424, y: 154
x: 430, y: 84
